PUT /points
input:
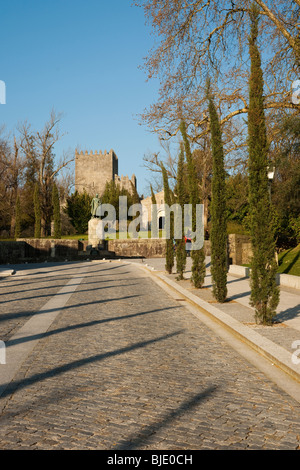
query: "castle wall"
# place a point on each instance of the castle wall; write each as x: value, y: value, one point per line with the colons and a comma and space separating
x: 125, y: 183
x: 147, y: 208
x: 93, y: 170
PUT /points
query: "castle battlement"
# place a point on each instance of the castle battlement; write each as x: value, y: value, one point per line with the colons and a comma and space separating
x: 125, y: 182
x: 125, y: 178
x: 97, y: 153
x: 94, y: 169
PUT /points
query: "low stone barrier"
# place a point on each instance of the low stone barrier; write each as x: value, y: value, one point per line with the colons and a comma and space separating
x: 239, y: 270
x: 53, y: 248
x: 11, y: 251
x: 239, y: 249
x: 143, y: 247
x: 287, y: 280
x: 39, y: 248
x: 138, y: 248
x: 284, y: 280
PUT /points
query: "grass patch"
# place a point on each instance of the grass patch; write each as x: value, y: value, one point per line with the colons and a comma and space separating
x: 75, y: 237
x: 119, y: 235
x: 289, y: 261
x: 236, y: 228
x: 141, y: 234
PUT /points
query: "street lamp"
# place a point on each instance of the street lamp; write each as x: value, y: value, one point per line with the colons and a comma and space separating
x: 271, y: 174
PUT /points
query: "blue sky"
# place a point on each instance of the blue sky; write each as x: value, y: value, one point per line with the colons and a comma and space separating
x: 80, y: 58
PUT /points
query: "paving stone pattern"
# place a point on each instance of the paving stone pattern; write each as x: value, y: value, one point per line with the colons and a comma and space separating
x: 124, y: 366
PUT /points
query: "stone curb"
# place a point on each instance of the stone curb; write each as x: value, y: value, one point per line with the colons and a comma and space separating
x: 6, y: 272
x: 269, y: 350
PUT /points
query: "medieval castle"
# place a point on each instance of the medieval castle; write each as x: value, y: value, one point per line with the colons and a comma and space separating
x: 94, y: 170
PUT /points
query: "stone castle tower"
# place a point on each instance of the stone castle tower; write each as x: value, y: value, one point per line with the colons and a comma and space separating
x: 94, y: 170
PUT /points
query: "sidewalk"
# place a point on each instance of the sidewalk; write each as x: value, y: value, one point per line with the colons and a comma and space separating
x: 273, y: 342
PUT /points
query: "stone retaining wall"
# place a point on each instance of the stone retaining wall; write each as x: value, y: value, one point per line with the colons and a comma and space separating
x: 31, y: 248
x: 239, y: 249
x: 141, y: 247
x: 35, y: 249
x: 11, y: 252
x: 55, y: 248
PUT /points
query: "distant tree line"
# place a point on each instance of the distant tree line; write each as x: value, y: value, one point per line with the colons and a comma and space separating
x: 30, y: 190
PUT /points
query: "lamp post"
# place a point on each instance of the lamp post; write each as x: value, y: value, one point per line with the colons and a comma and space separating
x: 271, y: 173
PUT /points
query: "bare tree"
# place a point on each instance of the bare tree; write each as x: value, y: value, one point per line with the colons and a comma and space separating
x: 11, y: 174
x: 41, y: 145
x: 201, y: 38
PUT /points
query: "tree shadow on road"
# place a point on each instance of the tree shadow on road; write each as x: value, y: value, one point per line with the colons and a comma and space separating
x: 9, y: 388
x: 47, y: 277
x: 41, y: 296
x: 26, y: 314
x: 141, y: 439
x: 288, y: 314
x: 78, y: 326
x: 239, y: 295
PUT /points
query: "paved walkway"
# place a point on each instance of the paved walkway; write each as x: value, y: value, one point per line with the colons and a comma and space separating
x: 106, y: 356
x: 283, y: 334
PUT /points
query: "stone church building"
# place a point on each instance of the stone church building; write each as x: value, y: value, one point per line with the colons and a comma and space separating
x: 94, y: 170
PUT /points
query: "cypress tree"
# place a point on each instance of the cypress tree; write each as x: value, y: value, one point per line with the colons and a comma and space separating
x: 218, y: 235
x: 134, y: 199
x: 154, y: 224
x: 264, y: 291
x: 56, y: 212
x: 169, y: 223
x: 18, y: 218
x: 37, y: 212
x: 180, y: 243
x: 198, y: 256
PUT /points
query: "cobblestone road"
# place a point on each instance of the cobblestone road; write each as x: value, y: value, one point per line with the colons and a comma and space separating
x: 124, y: 366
